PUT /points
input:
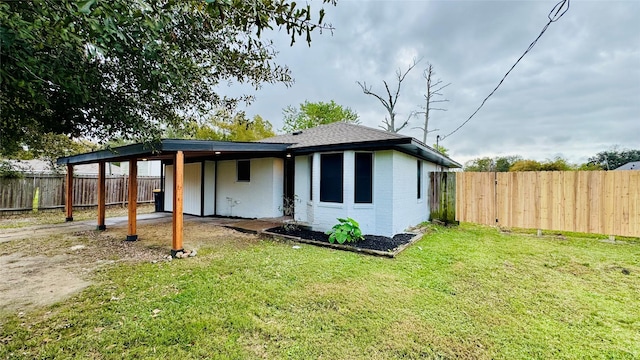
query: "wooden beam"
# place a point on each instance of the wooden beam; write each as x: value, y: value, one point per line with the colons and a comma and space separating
x: 101, y: 196
x: 178, y: 218
x: 68, y: 205
x: 133, y: 199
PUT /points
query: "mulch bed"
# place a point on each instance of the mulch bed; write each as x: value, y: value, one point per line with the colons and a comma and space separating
x: 370, y: 242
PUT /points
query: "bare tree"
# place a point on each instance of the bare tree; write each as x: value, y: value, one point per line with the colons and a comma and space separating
x: 433, y: 89
x: 390, y: 100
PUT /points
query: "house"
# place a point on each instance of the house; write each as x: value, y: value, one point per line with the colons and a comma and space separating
x: 43, y: 167
x: 633, y: 165
x: 378, y: 178
x: 146, y: 168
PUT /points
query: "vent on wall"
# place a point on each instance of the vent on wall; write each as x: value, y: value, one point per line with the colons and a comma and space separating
x: 296, y: 132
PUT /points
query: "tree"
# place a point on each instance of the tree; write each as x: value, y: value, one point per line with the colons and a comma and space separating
x: 614, y: 158
x: 441, y: 149
x: 225, y: 126
x: 239, y: 128
x: 526, y: 165
x: 390, y: 100
x: 103, y: 69
x: 54, y: 146
x: 504, y: 163
x: 311, y: 114
x: 484, y: 164
x: 487, y: 164
x: 589, y: 167
x: 433, y: 90
x: 557, y: 164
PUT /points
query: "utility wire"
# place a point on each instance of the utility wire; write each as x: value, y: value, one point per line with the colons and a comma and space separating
x: 554, y: 15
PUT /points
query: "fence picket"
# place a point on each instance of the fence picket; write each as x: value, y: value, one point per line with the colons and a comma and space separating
x: 602, y: 202
x: 17, y: 194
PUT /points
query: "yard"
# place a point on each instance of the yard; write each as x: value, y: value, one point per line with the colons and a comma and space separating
x: 468, y: 292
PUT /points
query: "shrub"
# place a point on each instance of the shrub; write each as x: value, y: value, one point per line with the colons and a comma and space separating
x: 347, y: 230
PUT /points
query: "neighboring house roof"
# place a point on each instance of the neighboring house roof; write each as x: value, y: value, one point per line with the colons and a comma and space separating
x: 331, y: 137
x: 634, y: 165
x: 344, y: 136
x: 46, y: 167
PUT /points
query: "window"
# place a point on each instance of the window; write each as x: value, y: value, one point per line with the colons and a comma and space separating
x: 244, y: 170
x: 419, y: 179
x: 331, y: 171
x: 364, y: 178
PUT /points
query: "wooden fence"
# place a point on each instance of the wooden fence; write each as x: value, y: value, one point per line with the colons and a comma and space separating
x: 602, y: 202
x: 442, y: 196
x: 18, y: 194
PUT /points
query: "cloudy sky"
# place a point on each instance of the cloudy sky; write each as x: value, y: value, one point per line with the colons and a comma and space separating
x: 575, y: 94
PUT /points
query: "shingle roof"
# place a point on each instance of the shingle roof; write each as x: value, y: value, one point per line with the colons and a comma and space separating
x: 343, y: 136
x: 333, y: 134
x: 634, y: 165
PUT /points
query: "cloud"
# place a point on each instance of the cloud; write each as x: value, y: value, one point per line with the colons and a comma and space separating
x: 576, y: 93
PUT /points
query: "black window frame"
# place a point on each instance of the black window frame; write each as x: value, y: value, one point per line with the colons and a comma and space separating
x: 363, y: 180
x: 419, y: 173
x: 243, y: 174
x: 332, y: 179
x: 310, y: 177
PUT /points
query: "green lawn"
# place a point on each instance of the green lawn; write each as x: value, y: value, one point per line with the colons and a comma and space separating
x: 468, y: 292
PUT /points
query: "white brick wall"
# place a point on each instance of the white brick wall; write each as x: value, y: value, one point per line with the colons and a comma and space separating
x: 303, y: 204
x: 260, y: 197
x: 395, y: 204
x: 408, y: 210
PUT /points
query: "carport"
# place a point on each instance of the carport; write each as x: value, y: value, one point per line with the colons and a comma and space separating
x: 173, y: 152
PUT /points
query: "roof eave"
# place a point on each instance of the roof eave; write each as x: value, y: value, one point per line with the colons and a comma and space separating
x: 427, y: 153
x: 364, y: 145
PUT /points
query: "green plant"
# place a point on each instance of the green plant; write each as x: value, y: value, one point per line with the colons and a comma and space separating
x: 347, y: 230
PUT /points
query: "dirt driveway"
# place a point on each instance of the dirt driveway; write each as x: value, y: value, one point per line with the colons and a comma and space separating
x: 44, y: 264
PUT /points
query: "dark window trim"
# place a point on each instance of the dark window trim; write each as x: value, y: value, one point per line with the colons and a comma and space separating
x: 338, y: 196
x: 369, y: 187
x: 238, y: 174
x: 419, y: 173
x: 311, y: 177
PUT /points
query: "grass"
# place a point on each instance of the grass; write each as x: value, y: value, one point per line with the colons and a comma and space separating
x: 469, y: 292
x: 45, y: 217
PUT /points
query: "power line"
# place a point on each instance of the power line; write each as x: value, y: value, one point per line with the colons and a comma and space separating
x: 554, y: 15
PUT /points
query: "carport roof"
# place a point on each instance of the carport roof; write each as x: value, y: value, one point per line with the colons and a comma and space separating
x: 164, y: 149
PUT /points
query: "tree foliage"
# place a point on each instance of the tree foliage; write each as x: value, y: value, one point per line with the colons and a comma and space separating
x: 225, y: 126
x: 104, y: 69
x: 614, y: 158
x: 441, y: 149
x: 557, y: 164
x: 54, y: 146
x: 486, y: 164
x: 311, y: 114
